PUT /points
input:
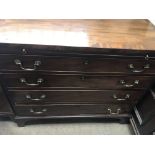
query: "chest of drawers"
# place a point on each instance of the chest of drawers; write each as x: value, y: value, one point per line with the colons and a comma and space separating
x: 46, y: 81
x: 74, y: 85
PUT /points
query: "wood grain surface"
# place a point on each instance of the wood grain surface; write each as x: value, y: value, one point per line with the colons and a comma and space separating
x: 127, y: 34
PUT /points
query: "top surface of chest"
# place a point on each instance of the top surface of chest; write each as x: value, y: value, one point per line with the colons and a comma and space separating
x: 120, y: 34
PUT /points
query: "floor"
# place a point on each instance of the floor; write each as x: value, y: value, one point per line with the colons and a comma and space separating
x: 10, y: 128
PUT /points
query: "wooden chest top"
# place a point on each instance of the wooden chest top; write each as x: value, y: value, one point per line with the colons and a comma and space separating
x: 120, y: 34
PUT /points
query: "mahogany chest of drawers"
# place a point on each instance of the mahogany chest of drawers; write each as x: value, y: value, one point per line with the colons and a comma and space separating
x: 88, y: 68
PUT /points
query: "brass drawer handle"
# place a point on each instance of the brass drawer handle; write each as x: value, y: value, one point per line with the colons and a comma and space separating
x: 36, y: 64
x: 39, y: 81
x: 43, y: 96
x: 38, y: 112
x: 136, y: 82
x: 114, y: 113
x: 131, y: 66
x: 127, y: 96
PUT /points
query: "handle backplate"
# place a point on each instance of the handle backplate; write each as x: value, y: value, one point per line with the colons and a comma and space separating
x: 135, y: 82
x: 43, y: 96
x: 38, y: 112
x: 39, y: 81
x: 35, y: 65
x: 134, y: 70
x: 114, y: 113
x: 127, y: 96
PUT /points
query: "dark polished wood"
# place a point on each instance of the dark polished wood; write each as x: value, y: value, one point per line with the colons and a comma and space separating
x: 76, y: 68
x: 77, y: 65
x: 5, y: 108
x: 146, y: 109
x: 143, y: 115
x: 67, y: 81
x: 25, y: 120
x: 73, y: 110
x: 73, y: 96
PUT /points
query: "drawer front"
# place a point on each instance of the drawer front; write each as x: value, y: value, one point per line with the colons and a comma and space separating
x: 81, y: 81
x: 72, y: 110
x: 40, y: 63
x: 76, y: 64
x: 130, y: 66
x: 73, y: 96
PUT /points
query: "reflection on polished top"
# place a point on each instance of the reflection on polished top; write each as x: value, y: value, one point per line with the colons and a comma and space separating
x: 126, y: 34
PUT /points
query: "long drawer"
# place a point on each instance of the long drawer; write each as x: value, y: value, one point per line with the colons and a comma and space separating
x: 78, y: 81
x: 73, y: 96
x: 76, y: 64
x: 73, y: 110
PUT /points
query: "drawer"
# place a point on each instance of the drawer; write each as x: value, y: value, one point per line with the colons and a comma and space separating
x: 40, y: 63
x: 72, y: 110
x: 117, y: 65
x: 77, y: 64
x: 79, y: 81
x: 73, y: 96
